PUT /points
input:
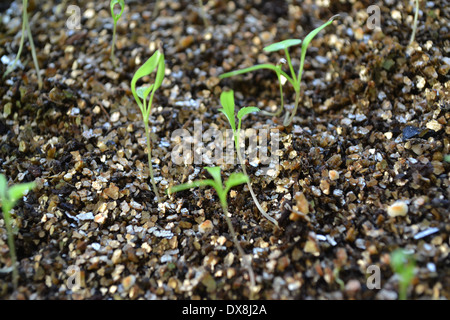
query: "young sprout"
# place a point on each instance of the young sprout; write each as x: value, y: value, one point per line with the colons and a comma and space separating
x: 26, y: 27
x: 235, y: 179
x: 8, y: 199
x: 293, y: 79
x: 414, y: 28
x: 156, y: 9
x: 227, y: 101
x: 203, y: 13
x: 116, y: 18
x: 155, y: 62
x: 403, y: 265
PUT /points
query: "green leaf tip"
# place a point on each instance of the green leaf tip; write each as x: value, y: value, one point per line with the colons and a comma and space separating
x: 112, y: 4
x: 155, y: 61
x: 246, y: 110
x: 10, y: 195
x: 313, y: 33
x: 282, y: 45
x: 227, y: 102
x: 235, y: 179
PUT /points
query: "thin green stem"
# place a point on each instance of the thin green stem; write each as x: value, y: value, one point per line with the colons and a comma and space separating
x: 291, y: 68
x: 414, y: 28
x: 403, y: 289
x: 249, y: 184
x: 113, y: 58
x: 156, y: 9
x: 149, y: 154
x: 22, y: 39
x: 33, y: 51
x: 26, y: 28
x: 297, y: 101
x: 203, y: 13
x: 246, y: 262
x: 146, y: 115
x: 12, y: 248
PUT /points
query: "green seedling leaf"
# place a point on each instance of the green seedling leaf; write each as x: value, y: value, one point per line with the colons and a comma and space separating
x: 313, y: 33
x: 309, y: 38
x: 276, y: 69
x: 161, y: 72
x: 147, y: 68
x: 227, y: 102
x: 116, y: 18
x: 244, y: 111
x: 144, y: 91
x: 235, y: 179
x: 190, y: 185
x: 112, y: 4
x: 282, y: 45
x: 3, y: 188
x: 8, y: 198
x: 155, y: 61
x: 403, y: 265
x: 215, y: 173
x: 17, y: 191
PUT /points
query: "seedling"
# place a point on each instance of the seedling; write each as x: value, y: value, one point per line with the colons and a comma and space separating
x: 203, y: 13
x: 116, y: 18
x: 235, y: 179
x: 227, y: 101
x: 8, y: 199
x: 414, y: 28
x: 282, y: 76
x: 156, y: 9
x: 403, y: 265
x: 26, y: 27
x: 155, y: 62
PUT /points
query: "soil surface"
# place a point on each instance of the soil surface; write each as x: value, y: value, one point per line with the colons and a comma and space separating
x: 371, y: 129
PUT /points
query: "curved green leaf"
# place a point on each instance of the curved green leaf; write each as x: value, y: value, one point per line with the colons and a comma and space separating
x: 249, y: 69
x: 235, y: 179
x: 227, y: 102
x: 144, y: 91
x: 112, y: 4
x: 17, y: 191
x: 3, y: 187
x: 276, y: 69
x: 282, y: 45
x: 246, y: 110
x: 148, y: 67
x: 215, y: 173
x: 161, y: 71
x: 306, y: 42
x: 313, y: 33
x: 190, y: 185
